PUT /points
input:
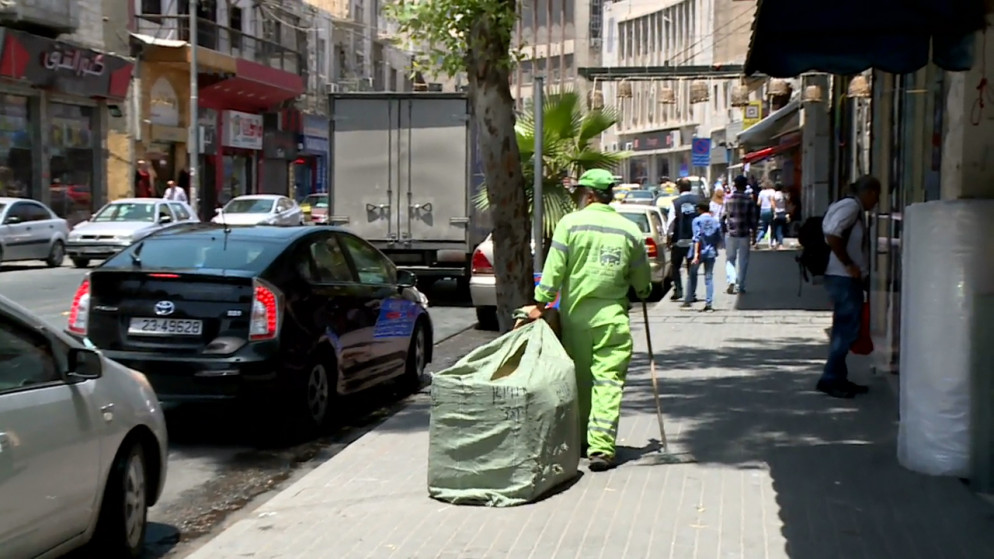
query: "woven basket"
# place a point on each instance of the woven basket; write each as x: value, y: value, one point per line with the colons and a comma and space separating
x: 859, y: 87
x: 699, y: 91
x: 625, y: 89
x: 813, y: 94
x: 740, y: 96
x: 777, y: 88
x: 666, y: 95
x: 596, y: 100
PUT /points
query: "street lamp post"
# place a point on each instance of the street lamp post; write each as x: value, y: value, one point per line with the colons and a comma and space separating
x: 537, y: 209
x: 194, y: 123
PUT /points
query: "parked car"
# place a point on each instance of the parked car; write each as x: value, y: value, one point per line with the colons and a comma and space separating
x: 122, y: 222
x: 651, y: 221
x: 260, y: 209
x: 315, y: 208
x: 638, y: 197
x: 31, y: 231
x: 82, y: 445
x: 294, y: 315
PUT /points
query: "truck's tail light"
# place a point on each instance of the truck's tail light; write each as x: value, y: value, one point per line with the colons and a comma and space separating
x: 480, y: 263
x: 266, y: 303
x: 80, y: 309
x: 651, y: 248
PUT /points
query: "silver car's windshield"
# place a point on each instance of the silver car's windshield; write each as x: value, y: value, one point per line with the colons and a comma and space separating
x: 250, y: 206
x: 642, y: 220
x: 126, y: 211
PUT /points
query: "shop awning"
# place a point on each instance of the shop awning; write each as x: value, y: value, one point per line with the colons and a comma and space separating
x: 766, y: 153
x: 846, y: 37
x: 253, y: 87
x: 765, y: 132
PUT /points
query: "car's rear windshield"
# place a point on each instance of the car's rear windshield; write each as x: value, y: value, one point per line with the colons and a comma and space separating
x: 250, y: 206
x: 640, y: 194
x: 640, y: 219
x: 181, y: 252
x: 126, y: 211
x: 317, y: 201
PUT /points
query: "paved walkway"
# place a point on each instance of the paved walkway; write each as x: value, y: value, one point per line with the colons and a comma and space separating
x: 780, y: 471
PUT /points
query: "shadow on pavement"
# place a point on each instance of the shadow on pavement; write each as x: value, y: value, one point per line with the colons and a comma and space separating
x: 774, y: 278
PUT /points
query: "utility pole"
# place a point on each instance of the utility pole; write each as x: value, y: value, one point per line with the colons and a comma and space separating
x: 538, y: 232
x: 194, y: 124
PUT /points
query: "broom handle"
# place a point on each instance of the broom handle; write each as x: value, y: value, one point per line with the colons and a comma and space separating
x: 655, y: 382
x: 648, y: 338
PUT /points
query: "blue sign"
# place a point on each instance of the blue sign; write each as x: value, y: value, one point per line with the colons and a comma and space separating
x: 700, y: 152
x: 554, y: 304
x: 316, y: 145
x: 321, y: 182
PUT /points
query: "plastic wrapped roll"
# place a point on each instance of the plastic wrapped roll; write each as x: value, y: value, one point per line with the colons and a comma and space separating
x: 948, y: 269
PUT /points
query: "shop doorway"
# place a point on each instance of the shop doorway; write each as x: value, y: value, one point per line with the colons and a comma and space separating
x: 162, y: 159
x: 238, y: 177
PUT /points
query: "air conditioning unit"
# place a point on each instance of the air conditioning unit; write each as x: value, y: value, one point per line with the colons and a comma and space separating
x: 331, y: 88
x: 614, y: 146
x: 629, y: 146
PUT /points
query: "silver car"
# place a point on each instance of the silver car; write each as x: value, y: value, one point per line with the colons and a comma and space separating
x: 31, y: 231
x: 122, y: 222
x: 260, y: 209
x: 82, y: 445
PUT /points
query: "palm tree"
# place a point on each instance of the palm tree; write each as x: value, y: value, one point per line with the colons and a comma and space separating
x: 569, y: 132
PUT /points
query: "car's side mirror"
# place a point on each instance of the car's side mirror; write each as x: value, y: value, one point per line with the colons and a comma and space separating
x: 165, y: 219
x: 84, y: 364
x: 406, y: 279
x: 12, y: 220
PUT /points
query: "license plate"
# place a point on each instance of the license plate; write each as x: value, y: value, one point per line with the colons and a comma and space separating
x: 165, y: 327
x: 94, y: 250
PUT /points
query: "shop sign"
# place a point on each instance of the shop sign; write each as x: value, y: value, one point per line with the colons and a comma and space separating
x: 242, y: 130
x: 64, y: 67
x: 652, y: 141
x: 752, y: 114
x: 316, y: 126
x: 163, y: 104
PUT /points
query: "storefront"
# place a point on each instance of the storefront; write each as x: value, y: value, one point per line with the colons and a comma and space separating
x: 311, y: 168
x: 241, y: 142
x: 655, y: 155
x: 56, y: 94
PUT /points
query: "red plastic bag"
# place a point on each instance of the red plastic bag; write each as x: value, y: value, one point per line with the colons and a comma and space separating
x: 864, y: 343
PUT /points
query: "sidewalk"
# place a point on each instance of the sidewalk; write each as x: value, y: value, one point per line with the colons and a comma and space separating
x: 781, y: 471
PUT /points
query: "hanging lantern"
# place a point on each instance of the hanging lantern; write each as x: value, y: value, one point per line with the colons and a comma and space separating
x: 625, y: 89
x: 666, y: 95
x: 812, y: 94
x: 777, y: 88
x: 595, y: 100
x: 699, y: 91
x: 740, y: 96
x: 859, y: 87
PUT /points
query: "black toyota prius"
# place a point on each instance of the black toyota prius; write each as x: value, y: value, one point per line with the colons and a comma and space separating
x: 299, y: 315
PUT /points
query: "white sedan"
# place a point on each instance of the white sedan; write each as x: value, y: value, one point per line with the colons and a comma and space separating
x: 31, y: 231
x: 260, y: 209
x: 82, y: 445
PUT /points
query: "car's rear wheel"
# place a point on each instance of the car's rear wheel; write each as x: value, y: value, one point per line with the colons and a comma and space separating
x: 80, y: 262
x: 124, y: 510
x: 417, y: 357
x: 312, y: 394
x: 486, y: 318
x: 56, y: 255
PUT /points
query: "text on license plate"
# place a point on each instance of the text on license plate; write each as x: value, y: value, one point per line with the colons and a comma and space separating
x: 165, y: 327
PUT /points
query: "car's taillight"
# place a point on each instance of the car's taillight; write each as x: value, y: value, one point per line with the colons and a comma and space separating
x: 480, y: 263
x: 651, y: 248
x: 80, y: 309
x: 265, y: 323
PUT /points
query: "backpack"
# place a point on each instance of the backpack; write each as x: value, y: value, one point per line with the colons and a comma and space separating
x: 815, y: 252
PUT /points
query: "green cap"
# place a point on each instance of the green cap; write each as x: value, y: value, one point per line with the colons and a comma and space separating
x: 600, y: 179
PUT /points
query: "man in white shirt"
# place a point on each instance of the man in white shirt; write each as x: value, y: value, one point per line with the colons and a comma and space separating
x: 844, y: 226
x: 174, y: 192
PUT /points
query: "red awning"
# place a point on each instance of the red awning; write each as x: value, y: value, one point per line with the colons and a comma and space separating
x: 766, y: 153
x: 255, y: 87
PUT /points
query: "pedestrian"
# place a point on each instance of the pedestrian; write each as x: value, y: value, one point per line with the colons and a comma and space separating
x: 780, y: 216
x: 681, y: 233
x: 765, y: 202
x: 844, y: 226
x: 717, y: 205
x: 143, y: 179
x: 707, y: 242
x: 174, y: 192
x: 740, y: 222
x: 596, y: 255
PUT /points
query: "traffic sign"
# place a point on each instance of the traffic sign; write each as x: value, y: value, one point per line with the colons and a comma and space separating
x: 700, y: 152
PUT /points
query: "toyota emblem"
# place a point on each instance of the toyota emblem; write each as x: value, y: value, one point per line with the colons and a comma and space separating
x: 164, y: 308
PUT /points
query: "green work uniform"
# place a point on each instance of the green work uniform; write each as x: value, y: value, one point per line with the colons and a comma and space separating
x: 596, y: 255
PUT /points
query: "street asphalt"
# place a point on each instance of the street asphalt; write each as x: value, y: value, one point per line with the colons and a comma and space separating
x: 215, y: 467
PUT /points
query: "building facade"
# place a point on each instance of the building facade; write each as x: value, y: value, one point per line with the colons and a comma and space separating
x: 60, y: 94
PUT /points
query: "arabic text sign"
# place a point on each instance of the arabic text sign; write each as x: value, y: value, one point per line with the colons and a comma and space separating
x: 700, y: 152
x: 76, y: 61
x: 242, y: 130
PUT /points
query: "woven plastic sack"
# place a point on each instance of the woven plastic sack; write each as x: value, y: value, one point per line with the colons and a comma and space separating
x: 504, y: 422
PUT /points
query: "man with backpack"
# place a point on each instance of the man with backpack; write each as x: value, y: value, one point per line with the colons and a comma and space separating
x: 846, y: 267
x: 681, y: 234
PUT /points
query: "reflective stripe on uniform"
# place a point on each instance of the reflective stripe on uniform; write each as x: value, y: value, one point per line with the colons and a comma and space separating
x: 605, y: 230
x: 608, y: 382
x: 560, y: 247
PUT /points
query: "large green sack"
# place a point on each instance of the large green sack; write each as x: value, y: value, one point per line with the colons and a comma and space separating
x: 504, y: 421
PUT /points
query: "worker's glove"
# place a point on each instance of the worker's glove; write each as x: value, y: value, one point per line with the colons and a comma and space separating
x: 526, y: 314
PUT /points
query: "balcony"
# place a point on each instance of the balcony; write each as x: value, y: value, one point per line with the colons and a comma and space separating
x: 43, y: 17
x: 279, y: 55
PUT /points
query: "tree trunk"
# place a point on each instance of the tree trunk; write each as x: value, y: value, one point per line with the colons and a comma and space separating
x: 493, y: 109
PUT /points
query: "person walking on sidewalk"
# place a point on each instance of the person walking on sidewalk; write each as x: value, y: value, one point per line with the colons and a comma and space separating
x: 707, y: 241
x: 765, y: 202
x: 681, y: 233
x: 740, y: 223
x: 174, y: 192
x: 845, y: 232
x: 596, y: 255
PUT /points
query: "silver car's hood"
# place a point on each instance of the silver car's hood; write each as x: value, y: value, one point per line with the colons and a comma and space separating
x: 112, y: 227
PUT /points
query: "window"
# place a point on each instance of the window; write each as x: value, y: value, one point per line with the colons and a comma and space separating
x: 283, y: 205
x: 373, y: 268
x: 657, y: 222
x: 25, y: 358
x: 18, y: 213
x: 36, y: 212
x: 180, y: 211
x: 329, y: 261
x: 235, y: 23
x: 126, y: 211
x: 152, y: 7
x: 164, y: 212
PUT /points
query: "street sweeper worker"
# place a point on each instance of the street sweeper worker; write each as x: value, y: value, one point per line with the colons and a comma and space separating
x: 596, y: 255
